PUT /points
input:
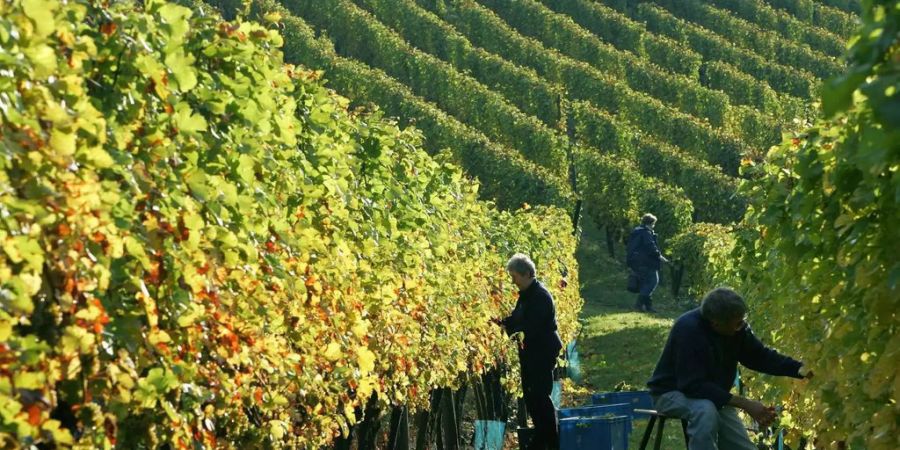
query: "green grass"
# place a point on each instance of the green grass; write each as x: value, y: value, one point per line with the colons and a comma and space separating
x: 618, y: 347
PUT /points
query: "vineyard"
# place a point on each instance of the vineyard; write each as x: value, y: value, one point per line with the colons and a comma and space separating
x: 279, y: 223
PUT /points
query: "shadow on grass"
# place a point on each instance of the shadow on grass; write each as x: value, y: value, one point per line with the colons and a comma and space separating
x: 621, y: 360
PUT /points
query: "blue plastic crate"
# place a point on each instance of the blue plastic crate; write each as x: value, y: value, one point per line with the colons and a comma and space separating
x: 637, y: 399
x: 619, y: 409
x: 594, y: 433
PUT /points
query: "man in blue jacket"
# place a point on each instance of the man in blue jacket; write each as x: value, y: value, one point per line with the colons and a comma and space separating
x: 535, y: 315
x: 644, y: 258
x: 697, y: 368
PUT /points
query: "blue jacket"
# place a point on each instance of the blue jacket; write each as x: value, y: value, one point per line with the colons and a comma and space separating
x: 642, y: 251
x: 701, y: 363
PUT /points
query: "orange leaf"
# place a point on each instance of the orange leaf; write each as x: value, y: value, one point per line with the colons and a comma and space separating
x: 34, y: 415
x: 258, y: 395
x: 108, y: 28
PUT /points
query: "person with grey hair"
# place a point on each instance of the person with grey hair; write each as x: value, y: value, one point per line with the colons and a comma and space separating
x: 644, y: 258
x: 535, y: 315
x: 698, y: 366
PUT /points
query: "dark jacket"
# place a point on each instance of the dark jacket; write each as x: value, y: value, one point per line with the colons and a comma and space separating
x: 643, y: 251
x: 535, y: 315
x: 701, y: 363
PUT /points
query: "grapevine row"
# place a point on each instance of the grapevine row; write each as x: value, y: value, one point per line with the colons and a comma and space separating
x: 302, y: 47
x: 713, y: 194
x: 225, y: 267
x: 530, y: 18
x: 741, y: 88
x: 584, y: 82
x: 713, y: 47
x: 842, y: 23
x: 765, y: 16
x: 746, y: 35
x: 356, y: 33
x: 506, y: 177
x: 429, y: 33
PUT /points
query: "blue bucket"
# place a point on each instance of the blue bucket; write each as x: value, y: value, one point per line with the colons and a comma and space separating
x: 637, y: 399
x: 596, y: 433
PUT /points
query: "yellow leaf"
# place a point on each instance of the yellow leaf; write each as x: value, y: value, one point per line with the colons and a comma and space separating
x: 41, y: 12
x: 5, y: 329
x: 62, y: 142
x: 32, y: 281
x: 366, y: 387
x: 277, y: 429
x: 350, y: 414
x: 100, y: 158
x: 366, y: 360
x: 360, y: 328
x: 43, y: 58
x: 333, y: 352
x: 159, y: 336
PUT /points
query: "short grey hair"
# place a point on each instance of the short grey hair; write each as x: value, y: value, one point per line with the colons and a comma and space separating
x: 648, y: 219
x: 521, y: 263
x: 722, y: 304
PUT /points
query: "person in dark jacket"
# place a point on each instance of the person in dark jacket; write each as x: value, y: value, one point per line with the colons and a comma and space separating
x: 644, y: 258
x: 698, y: 366
x: 535, y: 315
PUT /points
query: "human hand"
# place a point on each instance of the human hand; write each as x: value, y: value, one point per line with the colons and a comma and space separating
x: 805, y: 372
x: 762, y: 414
x: 496, y: 321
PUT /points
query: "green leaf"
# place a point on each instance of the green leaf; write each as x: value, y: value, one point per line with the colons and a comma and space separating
x: 181, y: 66
x: 44, y: 59
x: 41, y: 12
x: 838, y: 93
x: 186, y: 120
x: 246, y: 168
x: 100, y: 158
x: 175, y: 20
x: 62, y: 142
x: 136, y: 249
x: 197, y: 181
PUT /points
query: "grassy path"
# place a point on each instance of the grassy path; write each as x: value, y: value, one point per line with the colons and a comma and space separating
x: 618, y: 347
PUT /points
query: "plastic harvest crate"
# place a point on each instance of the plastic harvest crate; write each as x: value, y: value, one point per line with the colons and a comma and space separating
x: 618, y: 409
x: 637, y: 399
x: 593, y: 433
